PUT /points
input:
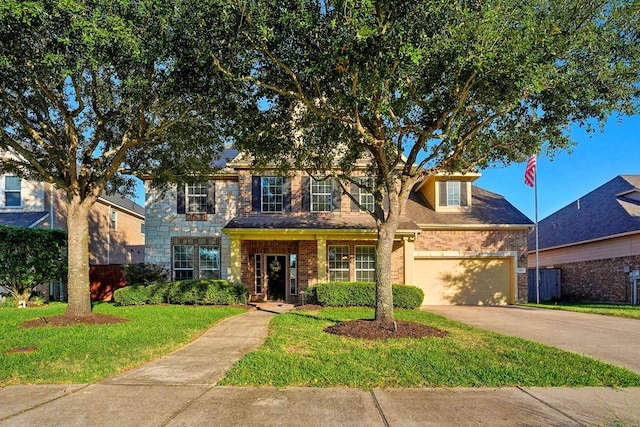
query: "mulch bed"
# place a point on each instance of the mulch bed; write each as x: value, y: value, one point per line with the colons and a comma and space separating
x: 372, y: 330
x: 68, y: 320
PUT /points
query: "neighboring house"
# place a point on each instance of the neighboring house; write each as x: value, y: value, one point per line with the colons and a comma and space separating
x: 595, y: 242
x: 116, y: 225
x: 280, y: 235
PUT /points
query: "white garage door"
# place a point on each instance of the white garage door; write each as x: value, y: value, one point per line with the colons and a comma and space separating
x: 471, y: 281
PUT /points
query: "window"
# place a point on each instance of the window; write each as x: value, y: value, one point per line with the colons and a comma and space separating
x: 183, y: 262
x: 196, y: 198
x: 209, y: 262
x: 142, y: 228
x: 453, y: 193
x: 272, y: 194
x: 365, y: 263
x: 365, y: 198
x: 114, y: 219
x: 338, y: 263
x: 12, y: 191
x: 321, y: 195
x: 293, y: 274
x: 258, y: 264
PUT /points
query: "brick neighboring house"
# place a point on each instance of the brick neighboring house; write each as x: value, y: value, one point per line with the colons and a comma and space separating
x: 116, y: 228
x: 279, y: 235
x: 595, y: 242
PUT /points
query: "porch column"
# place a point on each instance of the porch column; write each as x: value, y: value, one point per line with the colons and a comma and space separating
x: 321, y: 242
x: 408, y: 257
x: 234, y: 273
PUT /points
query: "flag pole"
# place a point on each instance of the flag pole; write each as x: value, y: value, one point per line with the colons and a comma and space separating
x: 535, y: 191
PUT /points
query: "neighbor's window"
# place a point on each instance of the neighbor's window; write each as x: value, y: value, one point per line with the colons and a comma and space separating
x: 338, y: 259
x: 209, y: 262
x: 365, y: 198
x: 12, y: 191
x: 196, y: 198
x: 272, y: 194
x: 183, y: 262
x: 142, y: 228
x: 321, y: 195
x: 365, y: 263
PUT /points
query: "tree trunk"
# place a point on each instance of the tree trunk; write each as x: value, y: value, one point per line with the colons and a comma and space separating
x: 78, y: 257
x: 384, y: 248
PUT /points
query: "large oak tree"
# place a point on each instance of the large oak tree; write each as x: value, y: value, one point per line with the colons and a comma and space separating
x: 421, y: 87
x: 93, y: 90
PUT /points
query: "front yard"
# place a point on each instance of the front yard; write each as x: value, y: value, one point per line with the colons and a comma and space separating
x: 629, y: 311
x: 299, y: 353
x: 88, y: 353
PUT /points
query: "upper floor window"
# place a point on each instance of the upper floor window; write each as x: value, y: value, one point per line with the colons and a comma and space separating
x: 196, y: 198
x: 114, y: 219
x: 12, y: 191
x: 365, y: 198
x: 321, y: 195
x: 272, y: 194
x: 453, y: 193
x: 142, y: 228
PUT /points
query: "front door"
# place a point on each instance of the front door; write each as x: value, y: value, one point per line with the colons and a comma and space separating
x: 276, y: 277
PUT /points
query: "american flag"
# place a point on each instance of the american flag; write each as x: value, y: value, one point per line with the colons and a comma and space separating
x: 530, y: 171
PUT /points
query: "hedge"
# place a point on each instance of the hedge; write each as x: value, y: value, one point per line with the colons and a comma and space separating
x: 197, y: 292
x: 343, y: 294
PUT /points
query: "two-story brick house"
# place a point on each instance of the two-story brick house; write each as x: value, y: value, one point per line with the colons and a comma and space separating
x: 278, y: 235
x: 116, y: 227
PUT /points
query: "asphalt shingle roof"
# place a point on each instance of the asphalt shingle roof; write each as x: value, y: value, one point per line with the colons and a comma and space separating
x: 21, y: 219
x: 613, y: 208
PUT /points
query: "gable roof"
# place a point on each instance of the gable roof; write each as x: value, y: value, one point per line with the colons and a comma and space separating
x: 487, y: 209
x: 124, y: 203
x: 611, y: 209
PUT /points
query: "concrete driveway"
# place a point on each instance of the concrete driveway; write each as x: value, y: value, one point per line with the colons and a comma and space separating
x: 611, y: 339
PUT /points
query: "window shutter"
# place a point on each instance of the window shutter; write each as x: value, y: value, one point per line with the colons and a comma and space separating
x: 181, y: 199
x: 463, y: 193
x: 306, y: 194
x: 443, y: 193
x: 355, y: 192
x: 336, y: 195
x: 256, y: 193
x: 211, y: 197
x: 286, y: 194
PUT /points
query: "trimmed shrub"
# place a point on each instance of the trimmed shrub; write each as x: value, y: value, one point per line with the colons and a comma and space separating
x: 196, y: 292
x: 343, y: 294
x: 144, y: 274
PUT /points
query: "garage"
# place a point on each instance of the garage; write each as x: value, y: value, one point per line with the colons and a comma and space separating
x: 465, y: 281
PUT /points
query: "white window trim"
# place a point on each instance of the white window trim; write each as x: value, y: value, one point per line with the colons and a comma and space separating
x: 453, y: 189
x: 342, y: 270
x: 113, y: 223
x: 313, y: 194
x: 20, y: 204
x: 355, y: 262
x: 187, y: 197
x: 293, y: 274
x: 362, y: 192
x: 214, y: 268
x: 257, y: 260
x: 193, y: 261
x: 262, y: 195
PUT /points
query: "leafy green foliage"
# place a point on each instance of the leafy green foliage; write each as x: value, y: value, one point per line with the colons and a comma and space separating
x: 196, y: 292
x: 88, y: 353
x: 30, y: 257
x: 298, y: 353
x: 363, y: 294
x: 144, y: 274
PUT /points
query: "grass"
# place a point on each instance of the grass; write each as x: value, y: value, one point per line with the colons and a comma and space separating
x: 84, y: 354
x: 299, y: 353
x: 628, y: 311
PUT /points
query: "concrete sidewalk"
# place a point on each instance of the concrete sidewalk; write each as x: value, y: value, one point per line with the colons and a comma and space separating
x: 180, y: 390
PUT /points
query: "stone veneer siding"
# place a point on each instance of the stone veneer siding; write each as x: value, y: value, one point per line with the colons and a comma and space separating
x: 163, y: 223
x: 500, y: 240
x: 602, y: 280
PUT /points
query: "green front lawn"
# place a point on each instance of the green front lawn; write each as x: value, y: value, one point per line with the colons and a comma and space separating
x: 299, y: 353
x: 629, y: 311
x: 83, y: 354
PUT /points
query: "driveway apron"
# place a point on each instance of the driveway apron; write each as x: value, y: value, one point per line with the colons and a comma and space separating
x: 611, y: 339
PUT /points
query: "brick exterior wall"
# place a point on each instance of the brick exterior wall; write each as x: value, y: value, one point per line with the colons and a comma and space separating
x: 602, y: 280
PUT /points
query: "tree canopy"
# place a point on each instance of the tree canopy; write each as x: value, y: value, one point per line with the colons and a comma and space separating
x: 422, y: 87
x: 94, y: 91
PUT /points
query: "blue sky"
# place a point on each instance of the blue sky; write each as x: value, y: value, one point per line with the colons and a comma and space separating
x: 596, y: 159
